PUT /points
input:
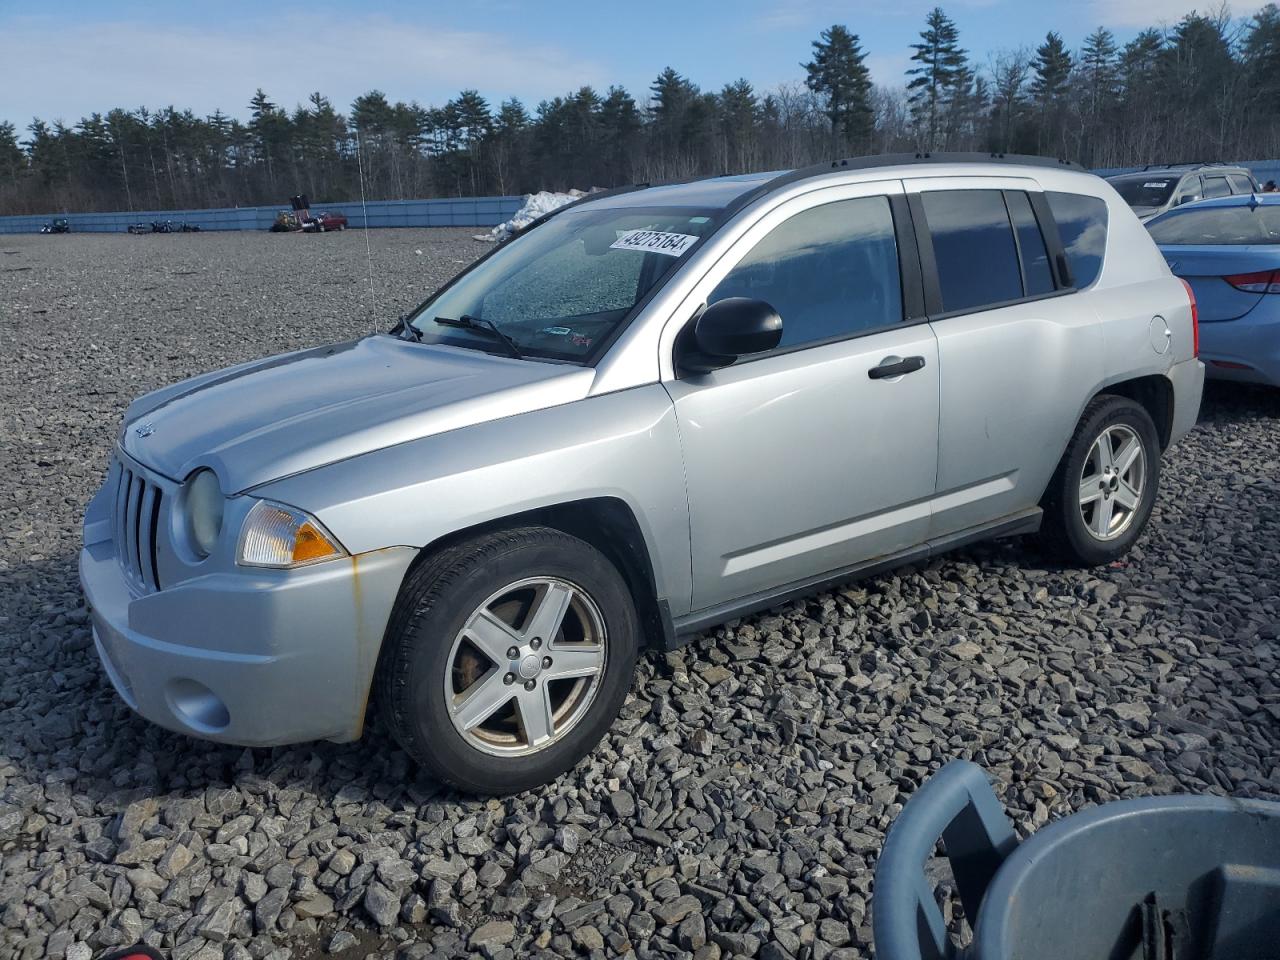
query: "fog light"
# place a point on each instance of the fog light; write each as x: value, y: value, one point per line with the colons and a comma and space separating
x: 197, y: 705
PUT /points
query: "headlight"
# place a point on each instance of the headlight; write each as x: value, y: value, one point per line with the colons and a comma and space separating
x: 204, y: 502
x: 278, y: 536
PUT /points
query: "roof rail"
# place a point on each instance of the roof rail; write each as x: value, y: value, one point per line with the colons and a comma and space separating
x: 889, y: 160
x: 869, y: 162
x: 1188, y: 163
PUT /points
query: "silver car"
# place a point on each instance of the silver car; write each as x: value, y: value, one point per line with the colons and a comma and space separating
x: 1162, y: 186
x: 646, y: 414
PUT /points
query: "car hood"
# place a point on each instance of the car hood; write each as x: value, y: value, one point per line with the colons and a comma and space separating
x: 272, y: 418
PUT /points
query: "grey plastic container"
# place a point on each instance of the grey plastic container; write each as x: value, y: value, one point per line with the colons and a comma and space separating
x: 1160, y: 878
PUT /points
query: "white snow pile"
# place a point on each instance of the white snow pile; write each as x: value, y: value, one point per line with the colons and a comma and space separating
x: 535, y: 205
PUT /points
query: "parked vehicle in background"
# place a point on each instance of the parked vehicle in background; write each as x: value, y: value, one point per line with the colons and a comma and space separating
x: 1228, y: 250
x: 647, y: 413
x: 1161, y: 187
x: 58, y: 225
x: 286, y: 222
x: 324, y: 222
x: 163, y: 226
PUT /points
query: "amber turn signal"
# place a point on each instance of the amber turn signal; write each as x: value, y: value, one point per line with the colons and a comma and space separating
x: 275, y: 535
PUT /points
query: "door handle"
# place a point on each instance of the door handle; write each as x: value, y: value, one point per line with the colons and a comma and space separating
x: 895, y: 367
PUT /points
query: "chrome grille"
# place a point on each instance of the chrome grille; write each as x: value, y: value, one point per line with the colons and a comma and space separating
x: 137, y: 517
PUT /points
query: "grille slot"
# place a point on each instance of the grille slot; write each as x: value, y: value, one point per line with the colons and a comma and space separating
x: 136, y: 522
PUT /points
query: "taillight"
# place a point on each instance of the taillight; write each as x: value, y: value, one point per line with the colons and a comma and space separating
x: 1263, y: 281
x: 1195, y: 319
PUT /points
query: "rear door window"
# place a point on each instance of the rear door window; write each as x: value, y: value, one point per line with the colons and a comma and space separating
x: 1216, y: 187
x: 1240, y: 183
x: 1082, y: 225
x: 974, y: 248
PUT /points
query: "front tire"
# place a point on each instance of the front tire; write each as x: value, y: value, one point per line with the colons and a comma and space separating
x: 1102, y: 494
x: 507, y: 658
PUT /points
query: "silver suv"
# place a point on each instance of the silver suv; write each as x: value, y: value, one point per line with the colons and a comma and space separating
x: 648, y: 413
x: 1162, y: 186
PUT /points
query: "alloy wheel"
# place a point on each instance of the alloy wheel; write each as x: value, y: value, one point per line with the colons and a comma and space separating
x: 1112, y: 482
x: 526, y: 666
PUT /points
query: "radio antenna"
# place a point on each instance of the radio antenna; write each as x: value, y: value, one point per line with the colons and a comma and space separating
x: 368, y: 250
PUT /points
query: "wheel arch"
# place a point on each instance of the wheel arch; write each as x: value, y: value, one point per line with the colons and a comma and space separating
x: 1154, y: 393
x: 606, y: 523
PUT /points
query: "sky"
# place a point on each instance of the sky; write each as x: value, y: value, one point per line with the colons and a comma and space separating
x: 64, y: 59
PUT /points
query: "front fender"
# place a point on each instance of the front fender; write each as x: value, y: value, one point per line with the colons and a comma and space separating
x: 621, y: 445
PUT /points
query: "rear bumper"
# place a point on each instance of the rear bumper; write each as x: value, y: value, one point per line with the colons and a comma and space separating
x: 1246, y: 349
x: 1187, y: 379
x: 256, y: 658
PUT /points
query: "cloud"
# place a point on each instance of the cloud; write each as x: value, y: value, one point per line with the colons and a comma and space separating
x: 63, y: 70
x: 1152, y: 13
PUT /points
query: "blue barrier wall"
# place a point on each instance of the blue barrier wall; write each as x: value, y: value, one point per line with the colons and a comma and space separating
x: 461, y: 212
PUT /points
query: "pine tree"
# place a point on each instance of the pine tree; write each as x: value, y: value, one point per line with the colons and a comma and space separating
x: 13, y: 162
x: 1261, y: 52
x: 1052, y: 69
x: 1099, y: 90
x: 1051, y: 72
x: 510, y: 136
x: 1098, y: 69
x: 620, y: 124
x: 838, y: 73
x: 941, y: 61
x: 670, y: 108
x: 738, y: 110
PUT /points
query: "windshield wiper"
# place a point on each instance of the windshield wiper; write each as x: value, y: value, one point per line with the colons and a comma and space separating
x: 406, y: 330
x: 469, y: 322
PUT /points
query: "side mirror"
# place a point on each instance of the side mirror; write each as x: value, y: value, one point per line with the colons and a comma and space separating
x: 729, y: 329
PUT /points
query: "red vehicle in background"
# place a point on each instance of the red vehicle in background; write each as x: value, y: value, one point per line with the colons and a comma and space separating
x: 323, y: 222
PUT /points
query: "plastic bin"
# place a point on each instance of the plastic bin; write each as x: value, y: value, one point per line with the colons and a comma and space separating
x: 1159, y: 878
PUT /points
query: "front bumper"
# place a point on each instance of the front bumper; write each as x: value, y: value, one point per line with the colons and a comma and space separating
x: 250, y: 657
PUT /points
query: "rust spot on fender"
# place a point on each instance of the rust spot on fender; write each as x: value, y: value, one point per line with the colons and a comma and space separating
x: 357, y: 605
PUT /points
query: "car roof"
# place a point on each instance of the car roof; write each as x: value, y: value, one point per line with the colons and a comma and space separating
x: 710, y: 192
x: 1178, y: 170
x: 730, y: 191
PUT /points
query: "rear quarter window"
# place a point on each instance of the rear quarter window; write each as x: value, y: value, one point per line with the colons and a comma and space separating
x: 1240, y: 183
x: 1082, y: 225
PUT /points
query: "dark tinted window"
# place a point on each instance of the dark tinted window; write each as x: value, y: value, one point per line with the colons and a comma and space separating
x: 830, y: 271
x: 1218, y: 225
x: 1082, y: 225
x: 1144, y: 189
x: 1035, y: 257
x: 973, y: 246
x: 1216, y: 187
x: 1240, y: 183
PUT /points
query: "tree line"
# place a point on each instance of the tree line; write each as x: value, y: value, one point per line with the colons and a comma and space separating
x: 1206, y: 88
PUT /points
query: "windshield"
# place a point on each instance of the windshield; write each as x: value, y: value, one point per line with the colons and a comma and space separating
x: 561, y: 289
x: 1144, y: 190
x: 1218, y: 225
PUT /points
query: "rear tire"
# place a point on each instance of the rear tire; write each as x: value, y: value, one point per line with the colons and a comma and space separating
x: 1101, y: 496
x: 478, y: 716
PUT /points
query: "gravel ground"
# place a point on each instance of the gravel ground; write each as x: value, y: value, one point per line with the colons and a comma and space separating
x: 738, y: 805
